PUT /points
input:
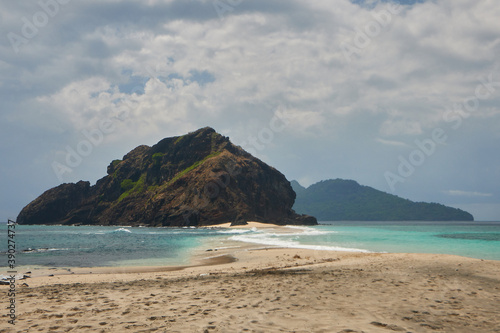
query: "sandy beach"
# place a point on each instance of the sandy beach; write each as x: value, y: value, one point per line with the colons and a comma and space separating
x: 249, y: 288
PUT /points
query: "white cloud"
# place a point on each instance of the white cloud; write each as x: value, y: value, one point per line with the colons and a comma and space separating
x: 261, y: 55
x: 467, y: 193
x: 392, y: 143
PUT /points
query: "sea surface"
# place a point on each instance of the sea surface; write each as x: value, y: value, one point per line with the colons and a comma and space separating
x: 90, y: 246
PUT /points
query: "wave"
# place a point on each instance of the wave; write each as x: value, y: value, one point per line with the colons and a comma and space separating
x: 122, y: 230
x: 236, y: 231
x: 42, y: 250
x: 19, y: 276
x: 308, y: 231
x: 473, y: 236
x: 268, y: 239
x: 227, y: 247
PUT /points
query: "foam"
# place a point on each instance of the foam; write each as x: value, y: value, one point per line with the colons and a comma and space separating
x: 311, y: 231
x: 235, y: 231
x: 122, y: 230
x: 278, y: 241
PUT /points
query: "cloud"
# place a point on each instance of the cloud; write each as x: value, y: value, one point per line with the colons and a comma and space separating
x: 392, y: 143
x: 467, y: 193
x: 259, y: 54
x: 174, y: 66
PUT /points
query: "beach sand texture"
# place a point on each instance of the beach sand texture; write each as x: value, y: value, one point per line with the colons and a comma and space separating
x: 274, y: 290
x: 242, y: 287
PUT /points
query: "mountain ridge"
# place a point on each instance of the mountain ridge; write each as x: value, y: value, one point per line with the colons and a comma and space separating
x: 347, y: 200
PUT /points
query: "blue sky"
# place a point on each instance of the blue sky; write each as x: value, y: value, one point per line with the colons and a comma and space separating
x: 403, y: 98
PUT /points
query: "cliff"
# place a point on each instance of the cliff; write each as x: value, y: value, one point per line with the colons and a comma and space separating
x: 346, y: 200
x: 197, y: 179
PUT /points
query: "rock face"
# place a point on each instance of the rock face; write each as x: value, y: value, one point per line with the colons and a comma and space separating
x: 193, y: 180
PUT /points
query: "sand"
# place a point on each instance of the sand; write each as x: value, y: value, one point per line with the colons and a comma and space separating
x: 246, y: 288
x: 247, y: 226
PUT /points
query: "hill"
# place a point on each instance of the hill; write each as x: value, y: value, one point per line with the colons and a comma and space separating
x: 337, y: 200
x: 197, y: 179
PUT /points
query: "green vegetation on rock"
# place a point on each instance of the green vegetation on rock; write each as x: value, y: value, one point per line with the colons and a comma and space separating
x: 127, y: 185
x: 192, y: 167
x: 213, y: 141
x: 130, y: 187
x: 157, y: 158
x: 153, y: 188
x: 179, y: 139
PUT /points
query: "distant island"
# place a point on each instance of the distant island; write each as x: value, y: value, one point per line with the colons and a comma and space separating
x: 197, y: 179
x: 346, y: 200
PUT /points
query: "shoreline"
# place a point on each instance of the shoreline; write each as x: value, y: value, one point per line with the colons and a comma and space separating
x: 241, y: 259
x: 233, y: 286
x: 272, y: 290
x: 206, y: 255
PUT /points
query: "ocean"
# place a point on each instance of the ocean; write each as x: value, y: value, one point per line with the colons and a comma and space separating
x: 90, y: 246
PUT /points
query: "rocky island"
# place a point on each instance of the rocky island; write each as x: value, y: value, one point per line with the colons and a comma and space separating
x: 346, y: 200
x: 198, y: 179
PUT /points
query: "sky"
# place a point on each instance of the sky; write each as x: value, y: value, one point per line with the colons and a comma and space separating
x: 401, y: 96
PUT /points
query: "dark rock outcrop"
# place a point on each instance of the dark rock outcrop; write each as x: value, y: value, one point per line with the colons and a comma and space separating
x: 193, y: 180
x: 54, y: 204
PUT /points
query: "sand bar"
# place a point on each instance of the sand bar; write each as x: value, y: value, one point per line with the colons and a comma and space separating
x: 249, y: 225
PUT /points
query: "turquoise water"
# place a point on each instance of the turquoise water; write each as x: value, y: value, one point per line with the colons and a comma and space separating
x: 88, y: 246
x: 475, y: 240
